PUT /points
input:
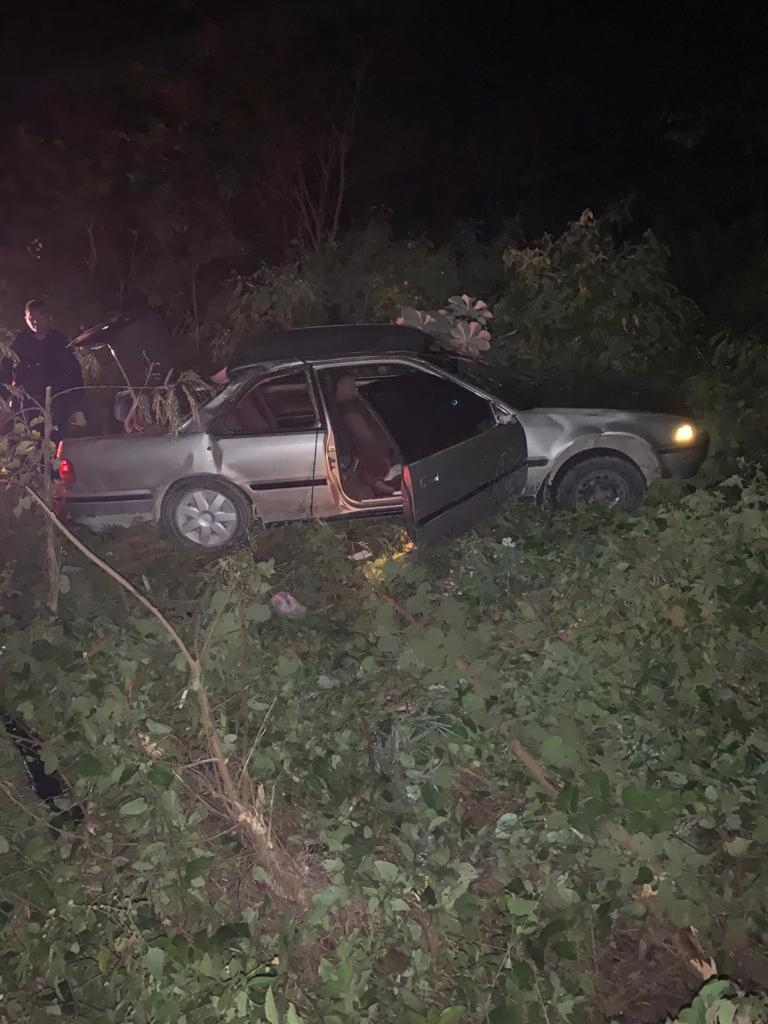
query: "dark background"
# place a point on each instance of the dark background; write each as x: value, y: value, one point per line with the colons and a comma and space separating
x: 485, y: 111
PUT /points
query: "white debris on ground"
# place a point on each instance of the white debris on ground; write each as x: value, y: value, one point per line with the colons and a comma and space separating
x: 286, y: 604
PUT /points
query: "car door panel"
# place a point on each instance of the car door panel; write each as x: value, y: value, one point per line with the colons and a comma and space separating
x: 266, y: 440
x: 277, y: 470
x: 452, y: 490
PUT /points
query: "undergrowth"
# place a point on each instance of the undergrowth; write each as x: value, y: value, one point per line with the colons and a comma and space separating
x: 521, y: 777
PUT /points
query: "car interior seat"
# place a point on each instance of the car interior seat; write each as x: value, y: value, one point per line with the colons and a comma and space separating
x: 372, y: 444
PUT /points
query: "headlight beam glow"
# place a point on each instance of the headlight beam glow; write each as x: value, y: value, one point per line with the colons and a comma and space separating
x: 684, y: 434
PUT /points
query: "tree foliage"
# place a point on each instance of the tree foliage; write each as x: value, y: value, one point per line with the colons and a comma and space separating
x: 584, y: 301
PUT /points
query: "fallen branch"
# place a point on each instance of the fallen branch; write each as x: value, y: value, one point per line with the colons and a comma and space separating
x: 51, y: 558
x: 283, y: 878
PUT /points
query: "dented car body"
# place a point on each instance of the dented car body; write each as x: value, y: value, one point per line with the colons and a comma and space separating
x: 340, y: 422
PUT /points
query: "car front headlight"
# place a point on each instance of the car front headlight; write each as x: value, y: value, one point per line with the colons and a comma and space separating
x: 685, y: 433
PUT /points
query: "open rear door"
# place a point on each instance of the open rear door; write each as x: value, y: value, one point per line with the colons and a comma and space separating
x: 453, y: 490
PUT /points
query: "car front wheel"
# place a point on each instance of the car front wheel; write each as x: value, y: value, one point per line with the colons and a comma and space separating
x: 601, y: 480
x: 206, y: 512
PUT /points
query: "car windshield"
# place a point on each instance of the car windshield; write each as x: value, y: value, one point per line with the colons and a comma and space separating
x: 523, y: 390
x: 520, y: 389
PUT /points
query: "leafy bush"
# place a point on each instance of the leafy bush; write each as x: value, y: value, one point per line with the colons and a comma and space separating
x: 462, y: 325
x: 584, y: 301
x: 485, y: 772
x: 732, y: 394
x: 364, y: 277
x: 717, y: 1004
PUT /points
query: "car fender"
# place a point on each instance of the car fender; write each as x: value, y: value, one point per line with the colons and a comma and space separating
x: 163, y: 491
x: 632, y: 447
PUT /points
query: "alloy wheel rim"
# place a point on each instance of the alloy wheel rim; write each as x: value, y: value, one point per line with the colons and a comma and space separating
x: 207, y: 518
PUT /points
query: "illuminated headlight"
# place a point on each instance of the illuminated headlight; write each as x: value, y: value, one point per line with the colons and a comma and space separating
x: 684, y: 434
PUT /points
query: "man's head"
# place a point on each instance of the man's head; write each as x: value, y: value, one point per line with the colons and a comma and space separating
x: 37, y: 317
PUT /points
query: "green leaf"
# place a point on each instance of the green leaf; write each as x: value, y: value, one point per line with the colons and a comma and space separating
x: 26, y: 710
x: 157, y: 728
x: 270, y: 1008
x: 89, y: 767
x: 258, y: 613
x: 712, y: 991
x: 519, y: 907
x: 737, y: 847
x: 397, y: 906
x: 555, y: 752
x: 452, y: 1015
x: 4, y: 847
x: 726, y: 1013
x: 154, y: 959
x: 523, y: 974
x: 291, y: 1016
x: 386, y: 871
x: 134, y: 807
x: 504, y: 1015
x: 160, y: 775
x: 64, y: 583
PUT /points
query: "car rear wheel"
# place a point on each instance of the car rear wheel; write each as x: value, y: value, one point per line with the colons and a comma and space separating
x: 206, y: 512
x: 601, y: 480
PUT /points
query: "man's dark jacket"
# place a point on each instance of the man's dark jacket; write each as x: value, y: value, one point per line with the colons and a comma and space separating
x: 43, y: 362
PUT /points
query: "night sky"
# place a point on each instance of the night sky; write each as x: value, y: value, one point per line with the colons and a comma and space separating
x: 483, y: 110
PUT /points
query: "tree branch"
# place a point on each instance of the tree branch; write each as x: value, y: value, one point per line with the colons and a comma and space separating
x: 192, y: 663
x: 285, y: 882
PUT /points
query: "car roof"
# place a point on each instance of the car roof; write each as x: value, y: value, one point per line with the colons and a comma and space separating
x: 309, y: 343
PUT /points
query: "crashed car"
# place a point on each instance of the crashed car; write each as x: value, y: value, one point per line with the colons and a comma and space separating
x: 339, y: 422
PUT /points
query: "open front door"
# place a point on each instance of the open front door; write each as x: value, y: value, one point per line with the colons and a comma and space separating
x: 453, y: 490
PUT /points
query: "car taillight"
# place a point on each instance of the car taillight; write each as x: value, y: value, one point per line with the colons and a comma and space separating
x: 67, y: 471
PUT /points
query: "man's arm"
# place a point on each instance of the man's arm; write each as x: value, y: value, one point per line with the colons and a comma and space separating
x: 71, y: 371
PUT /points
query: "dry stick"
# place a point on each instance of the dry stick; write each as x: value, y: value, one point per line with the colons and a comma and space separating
x: 52, y: 562
x: 249, y: 818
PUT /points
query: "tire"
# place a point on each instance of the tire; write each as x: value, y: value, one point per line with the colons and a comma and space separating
x: 218, y: 514
x: 605, y: 480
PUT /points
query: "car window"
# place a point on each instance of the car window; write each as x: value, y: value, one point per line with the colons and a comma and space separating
x: 516, y: 386
x: 426, y: 413
x: 274, y: 406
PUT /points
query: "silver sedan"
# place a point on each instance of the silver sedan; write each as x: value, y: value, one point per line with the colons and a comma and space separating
x: 364, y: 421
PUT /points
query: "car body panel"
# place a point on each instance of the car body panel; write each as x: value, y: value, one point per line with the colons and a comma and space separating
x: 446, y: 493
x: 556, y: 436
x: 277, y: 470
x: 290, y: 475
x: 294, y: 474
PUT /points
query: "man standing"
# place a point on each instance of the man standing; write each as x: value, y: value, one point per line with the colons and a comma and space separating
x: 44, y: 359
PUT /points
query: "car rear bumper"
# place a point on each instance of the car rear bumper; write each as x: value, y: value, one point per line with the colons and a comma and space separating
x: 680, y: 463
